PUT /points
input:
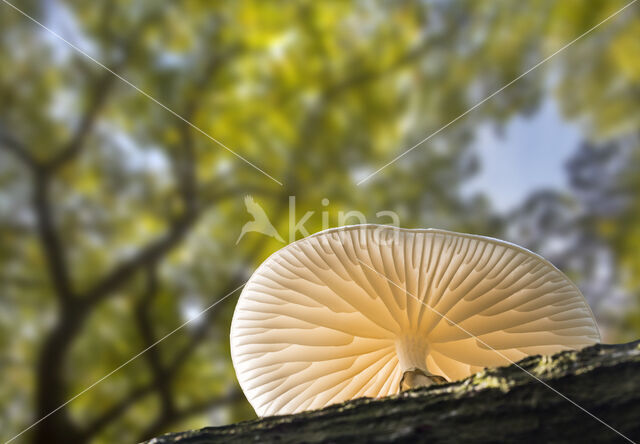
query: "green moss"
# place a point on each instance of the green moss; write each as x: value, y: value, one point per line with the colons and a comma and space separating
x: 484, y: 380
x: 550, y: 365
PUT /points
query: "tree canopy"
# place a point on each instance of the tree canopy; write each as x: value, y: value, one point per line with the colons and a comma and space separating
x: 122, y: 182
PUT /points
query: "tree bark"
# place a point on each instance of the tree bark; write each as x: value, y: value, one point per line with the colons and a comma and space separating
x: 51, y: 394
x: 524, y: 402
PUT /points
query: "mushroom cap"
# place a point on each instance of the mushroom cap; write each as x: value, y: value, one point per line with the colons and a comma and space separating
x: 344, y: 312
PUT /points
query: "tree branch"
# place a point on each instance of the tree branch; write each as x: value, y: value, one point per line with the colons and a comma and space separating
x: 185, y: 167
x: 185, y: 170
x: 203, y: 328
x: 188, y: 189
x: 161, y: 424
x: 168, y: 374
x: 145, y: 327
x: 500, y: 404
x: 49, y: 239
x: 45, y: 225
x: 199, y: 334
x: 17, y: 149
x: 146, y: 255
x: 156, y: 249
x: 372, y: 75
x: 100, y: 92
x: 51, y: 387
x: 116, y: 411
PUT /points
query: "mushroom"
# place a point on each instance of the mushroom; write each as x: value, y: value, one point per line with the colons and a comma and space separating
x: 367, y: 310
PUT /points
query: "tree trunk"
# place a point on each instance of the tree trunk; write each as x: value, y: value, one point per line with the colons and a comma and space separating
x: 504, y: 404
x: 51, y: 384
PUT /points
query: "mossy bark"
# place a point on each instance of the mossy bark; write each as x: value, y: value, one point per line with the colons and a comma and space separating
x: 506, y: 404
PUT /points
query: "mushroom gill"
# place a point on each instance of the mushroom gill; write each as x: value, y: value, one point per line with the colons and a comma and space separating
x: 367, y: 310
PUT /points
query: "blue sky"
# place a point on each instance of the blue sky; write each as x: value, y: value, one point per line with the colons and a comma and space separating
x: 530, y: 154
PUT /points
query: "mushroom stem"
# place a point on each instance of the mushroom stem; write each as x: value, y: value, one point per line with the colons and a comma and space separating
x: 412, y: 356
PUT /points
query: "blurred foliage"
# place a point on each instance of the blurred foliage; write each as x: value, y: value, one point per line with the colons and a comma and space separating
x: 118, y: 220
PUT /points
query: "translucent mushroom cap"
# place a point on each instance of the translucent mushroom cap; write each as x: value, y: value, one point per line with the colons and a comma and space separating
x: 346, y: 312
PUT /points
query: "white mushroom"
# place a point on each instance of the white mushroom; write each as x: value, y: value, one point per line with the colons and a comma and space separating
x: 363, y: 310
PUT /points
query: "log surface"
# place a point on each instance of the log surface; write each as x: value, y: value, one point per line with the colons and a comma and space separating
x: 538, y: 399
